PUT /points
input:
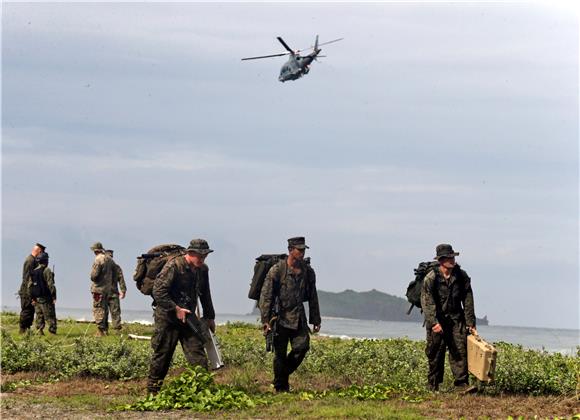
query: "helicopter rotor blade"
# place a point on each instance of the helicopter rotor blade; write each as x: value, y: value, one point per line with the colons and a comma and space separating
x: 285, y: 45
x: 330, y: 42
x: 264, y: 56
x: 324, y: 43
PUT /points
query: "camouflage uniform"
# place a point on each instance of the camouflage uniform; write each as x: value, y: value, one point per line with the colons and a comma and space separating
x: 449, y: 303
x: 44, y: 305
x: 114, y: 301
x: 101, y: 283
x: 178, y: 284
x: 292, y: 326
x: 26, y: 307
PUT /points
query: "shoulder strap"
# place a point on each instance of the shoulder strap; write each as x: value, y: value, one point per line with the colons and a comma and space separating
x: 282, y: 268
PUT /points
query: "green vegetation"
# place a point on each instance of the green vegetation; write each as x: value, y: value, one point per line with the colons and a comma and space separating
x: 335, y: 370
x: 195, y: 389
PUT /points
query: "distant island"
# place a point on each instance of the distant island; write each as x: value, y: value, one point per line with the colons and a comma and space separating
x: 372, y: 305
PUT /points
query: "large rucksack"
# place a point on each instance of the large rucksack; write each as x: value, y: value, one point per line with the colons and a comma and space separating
x: 39, y: 287
x: 151, y: 264
x: 263, y: 264
x: 414, y: 288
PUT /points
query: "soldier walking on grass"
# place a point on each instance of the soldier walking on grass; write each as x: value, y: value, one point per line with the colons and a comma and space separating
x: 447, y: 302
x: 42, y: 291
x: 183, y: 280
x: 101, y: 283
x: 292, y: 282
x: 26, y: 307
x: 116, y: 295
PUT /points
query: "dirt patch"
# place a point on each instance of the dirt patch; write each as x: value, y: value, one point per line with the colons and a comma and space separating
x: 33, y: 401
x: 445, y: 406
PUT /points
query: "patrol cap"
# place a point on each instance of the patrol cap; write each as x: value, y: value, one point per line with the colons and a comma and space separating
x: 42, y: 258
x: 199, y: 246
x: 297, y: 242
x: 444, y: 250
x: 97, y: 246
x: 42, y: 247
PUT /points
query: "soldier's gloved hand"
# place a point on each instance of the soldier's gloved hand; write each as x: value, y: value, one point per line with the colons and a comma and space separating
x: 211, y: 325
x: 472, y: 330
x: 266, y: 328
x: 33, y: 302
x: 437, y: 328
x: 122, y: 295
x: 181, y: 313
x: 316, y: 328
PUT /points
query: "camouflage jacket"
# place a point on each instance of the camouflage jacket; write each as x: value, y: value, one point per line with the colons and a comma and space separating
x: 29, y: 265
x: 444, y: 300
x: 48, y: 278
x: 118, y: 279
x: 180, y: 284
x: 293, y: 290
x: 102, y: 274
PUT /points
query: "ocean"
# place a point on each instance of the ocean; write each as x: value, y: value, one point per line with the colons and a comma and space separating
x: 549, y: 339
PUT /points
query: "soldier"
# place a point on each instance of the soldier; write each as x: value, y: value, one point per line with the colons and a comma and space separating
x: 42, y: 291
x: 114, y: 302
x: 101, y: 283
x: 447, y: 302
x: 293, y: 282
x: 180, y: 283
x: 27, y: 309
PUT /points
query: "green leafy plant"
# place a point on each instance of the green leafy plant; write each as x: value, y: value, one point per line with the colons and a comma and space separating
x: 195, y: 389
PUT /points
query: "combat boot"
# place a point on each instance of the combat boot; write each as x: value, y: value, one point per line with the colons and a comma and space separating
x: 41, y: 332
x: 465, y: 389
x: 100, y: 333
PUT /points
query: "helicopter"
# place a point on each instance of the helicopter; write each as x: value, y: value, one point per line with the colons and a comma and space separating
x: 297, y: 65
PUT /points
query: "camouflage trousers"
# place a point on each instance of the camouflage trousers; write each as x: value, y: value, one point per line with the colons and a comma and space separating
x: 454, y: 338
x: 45, y: 313
x: 115, y: 310
x: 163, y: 343
x: 285, y: 364
x: 101, y: 311
x: 26, y: 312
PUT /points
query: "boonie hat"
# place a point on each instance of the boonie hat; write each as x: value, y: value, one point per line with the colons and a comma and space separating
x: 298, y: 242
x: 444, y: 250
x: 199, y: 246
x: 97, y: 246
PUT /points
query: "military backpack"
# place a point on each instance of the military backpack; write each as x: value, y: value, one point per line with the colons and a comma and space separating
x: 263, y: 264
x: 414, y: 288
x: 39, y: 287
x: 151, y: 264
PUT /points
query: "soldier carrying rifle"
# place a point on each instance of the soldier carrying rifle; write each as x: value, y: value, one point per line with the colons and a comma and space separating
x: 177, y: 288
x: 287, y: 285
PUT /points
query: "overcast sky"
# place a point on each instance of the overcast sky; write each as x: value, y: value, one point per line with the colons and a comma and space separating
x: 137, y: 124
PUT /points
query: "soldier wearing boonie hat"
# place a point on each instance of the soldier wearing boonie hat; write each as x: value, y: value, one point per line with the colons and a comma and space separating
x: 447, y: 303
x: 183, y: 280
x: 101, y: 284
x: 293, y: 282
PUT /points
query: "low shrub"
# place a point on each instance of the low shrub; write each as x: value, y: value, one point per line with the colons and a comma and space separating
x: 195, y: 389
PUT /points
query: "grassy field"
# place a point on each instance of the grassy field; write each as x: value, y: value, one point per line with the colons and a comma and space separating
x: 76, y: 375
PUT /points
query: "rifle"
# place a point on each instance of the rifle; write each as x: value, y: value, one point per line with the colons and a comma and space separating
x: 191, y: 319
x: 273, y: 324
